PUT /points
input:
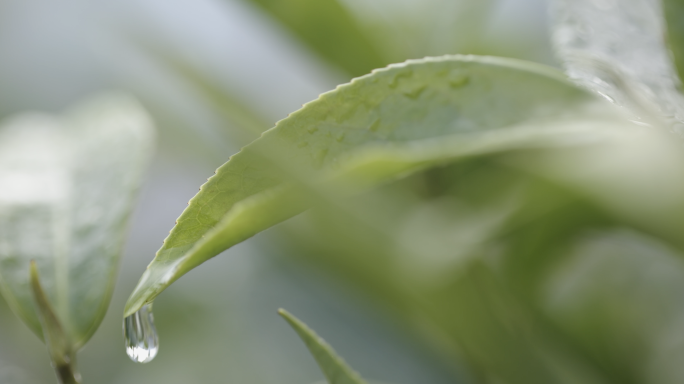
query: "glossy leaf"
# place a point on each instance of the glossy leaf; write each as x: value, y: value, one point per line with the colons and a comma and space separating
x: 334, y: 367
x: 618, y: 49
x: 380, y: 126
x: 68, y: 186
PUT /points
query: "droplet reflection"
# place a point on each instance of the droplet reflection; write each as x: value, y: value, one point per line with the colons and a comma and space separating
x: 142, y: 342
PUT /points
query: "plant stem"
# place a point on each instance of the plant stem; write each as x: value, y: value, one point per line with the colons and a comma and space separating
x: 67, y: 374
x: 58, y: 345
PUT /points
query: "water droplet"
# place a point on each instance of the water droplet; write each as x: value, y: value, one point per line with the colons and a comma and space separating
x: 142, y: 342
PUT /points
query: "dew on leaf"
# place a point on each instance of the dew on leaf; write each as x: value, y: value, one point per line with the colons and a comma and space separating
x: 141, y: 339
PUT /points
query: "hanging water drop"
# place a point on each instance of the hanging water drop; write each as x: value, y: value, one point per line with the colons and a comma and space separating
x: 142, y: 342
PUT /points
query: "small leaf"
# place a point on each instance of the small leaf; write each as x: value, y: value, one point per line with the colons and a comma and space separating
x: 368, y: 132
x: 617, y: 48
x: 334, y: 367
x: 68, y: 186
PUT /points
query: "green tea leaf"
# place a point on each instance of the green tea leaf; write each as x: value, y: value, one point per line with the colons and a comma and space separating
x: 618, y: 49
x: 378, y: 127
x: 68, y: 186
x: 334, y: 367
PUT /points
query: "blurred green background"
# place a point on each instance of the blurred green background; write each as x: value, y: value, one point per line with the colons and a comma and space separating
x: 215, y: 73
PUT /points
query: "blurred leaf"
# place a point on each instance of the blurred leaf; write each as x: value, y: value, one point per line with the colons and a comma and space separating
x: 229, y: 107
x: 333, y: 366
x: 617, y: 295
x: 413, y: 29
x: 10, y: 374
x: 68, y: 184
x: 328, y: 28
x: 366, y: 132
x: 466, y: 253
x: 359, y: 36
x: 674, y: 16
x: 617, y: 48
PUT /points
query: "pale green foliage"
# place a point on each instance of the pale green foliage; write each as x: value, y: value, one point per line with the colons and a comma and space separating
x: 334, y: 367
x: 517, y: 221
x: 458, y: 191
x: 68, y: 186
x: 378, y: 127
x: 493, y: 206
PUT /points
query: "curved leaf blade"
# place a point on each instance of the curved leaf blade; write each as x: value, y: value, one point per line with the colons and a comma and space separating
x: 464, y: 101
x: 333, y: 366
x: 68, y: 185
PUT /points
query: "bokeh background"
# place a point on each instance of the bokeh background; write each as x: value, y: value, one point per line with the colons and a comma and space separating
x: 214, y: 73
